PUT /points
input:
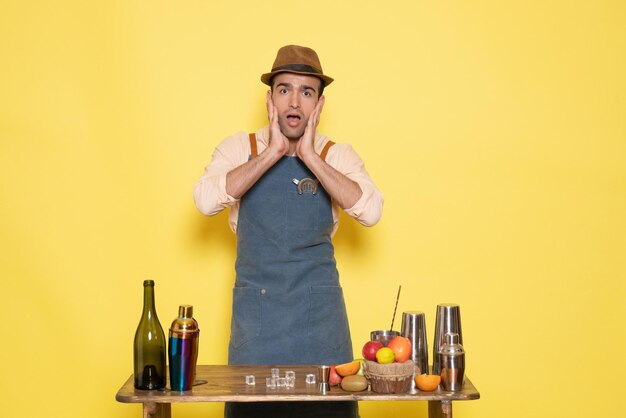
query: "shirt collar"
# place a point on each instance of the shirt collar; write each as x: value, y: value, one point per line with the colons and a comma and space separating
x: 263, y: 135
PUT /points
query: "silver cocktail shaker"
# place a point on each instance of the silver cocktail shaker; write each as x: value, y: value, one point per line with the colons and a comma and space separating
x: 448, y: 320
x: 414, y: 328
x: 452, y: 360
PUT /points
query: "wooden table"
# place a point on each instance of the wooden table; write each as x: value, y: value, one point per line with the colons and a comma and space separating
x: 227, y: 384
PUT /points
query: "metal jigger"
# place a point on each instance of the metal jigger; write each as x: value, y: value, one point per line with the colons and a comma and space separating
x: 323, y: 374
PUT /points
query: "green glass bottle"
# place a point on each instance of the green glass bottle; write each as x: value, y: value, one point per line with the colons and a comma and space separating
x: 149, y: 347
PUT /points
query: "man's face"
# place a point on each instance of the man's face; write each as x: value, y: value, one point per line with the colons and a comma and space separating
x: 295, y: 97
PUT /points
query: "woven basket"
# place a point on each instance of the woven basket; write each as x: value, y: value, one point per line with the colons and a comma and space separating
x: 390, y: 378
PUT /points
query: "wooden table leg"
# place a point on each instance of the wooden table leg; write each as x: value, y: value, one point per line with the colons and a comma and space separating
x: 439, y: 409
x: 157, y: 410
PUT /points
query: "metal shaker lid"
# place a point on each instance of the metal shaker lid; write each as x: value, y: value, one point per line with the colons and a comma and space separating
x: 184, y: 326
x: 452, y: 347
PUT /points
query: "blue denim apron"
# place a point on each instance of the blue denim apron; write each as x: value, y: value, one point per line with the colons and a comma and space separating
x: 288, y: 307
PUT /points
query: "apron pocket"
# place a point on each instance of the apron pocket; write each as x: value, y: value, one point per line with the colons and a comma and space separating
x: 303, y: 212
x: 246, y: 320
x: 328, y: 320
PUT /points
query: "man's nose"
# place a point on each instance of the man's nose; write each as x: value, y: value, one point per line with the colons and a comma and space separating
x: 294, y: 101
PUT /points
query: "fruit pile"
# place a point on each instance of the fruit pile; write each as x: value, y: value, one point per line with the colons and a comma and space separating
x: 389, y: 369
x: 398, y: 350
x: 351, y: 376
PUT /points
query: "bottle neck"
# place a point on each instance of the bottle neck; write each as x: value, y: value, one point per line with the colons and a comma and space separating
x: 148, y: 302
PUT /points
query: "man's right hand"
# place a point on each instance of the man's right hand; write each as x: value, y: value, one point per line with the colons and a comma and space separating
x: 242, y: 178
x: 278, y: 143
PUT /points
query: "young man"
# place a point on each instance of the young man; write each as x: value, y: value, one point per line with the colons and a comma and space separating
x: 284, y: 185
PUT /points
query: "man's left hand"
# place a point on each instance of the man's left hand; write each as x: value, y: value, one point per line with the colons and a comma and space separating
x: 304, y: 148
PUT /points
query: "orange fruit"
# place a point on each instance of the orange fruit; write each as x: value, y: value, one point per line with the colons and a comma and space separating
x: 385, y: 355
x: 427, y: 382
x: 401, y: 347
x: 348, y: 369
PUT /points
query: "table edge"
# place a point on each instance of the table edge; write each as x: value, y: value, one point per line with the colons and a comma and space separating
x: 169, y: 397
x: 123, y: 395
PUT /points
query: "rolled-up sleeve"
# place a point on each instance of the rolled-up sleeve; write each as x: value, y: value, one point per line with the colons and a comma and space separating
x: 210, y: 190
x: 369, y: 208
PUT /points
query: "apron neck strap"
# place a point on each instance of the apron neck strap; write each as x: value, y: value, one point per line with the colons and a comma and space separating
x: 325, y: 150
x: 253, y: 151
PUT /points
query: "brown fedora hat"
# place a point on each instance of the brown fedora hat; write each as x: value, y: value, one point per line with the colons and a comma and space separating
x: 299, y: 60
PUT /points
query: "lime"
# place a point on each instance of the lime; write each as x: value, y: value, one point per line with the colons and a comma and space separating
x: 385, y: 355
x: 361, y: 371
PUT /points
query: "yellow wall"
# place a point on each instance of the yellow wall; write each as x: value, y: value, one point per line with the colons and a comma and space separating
x: 495, y: 129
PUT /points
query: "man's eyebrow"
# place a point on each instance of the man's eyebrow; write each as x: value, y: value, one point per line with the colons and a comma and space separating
x: 302, y: 87
x: 305, y: 87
